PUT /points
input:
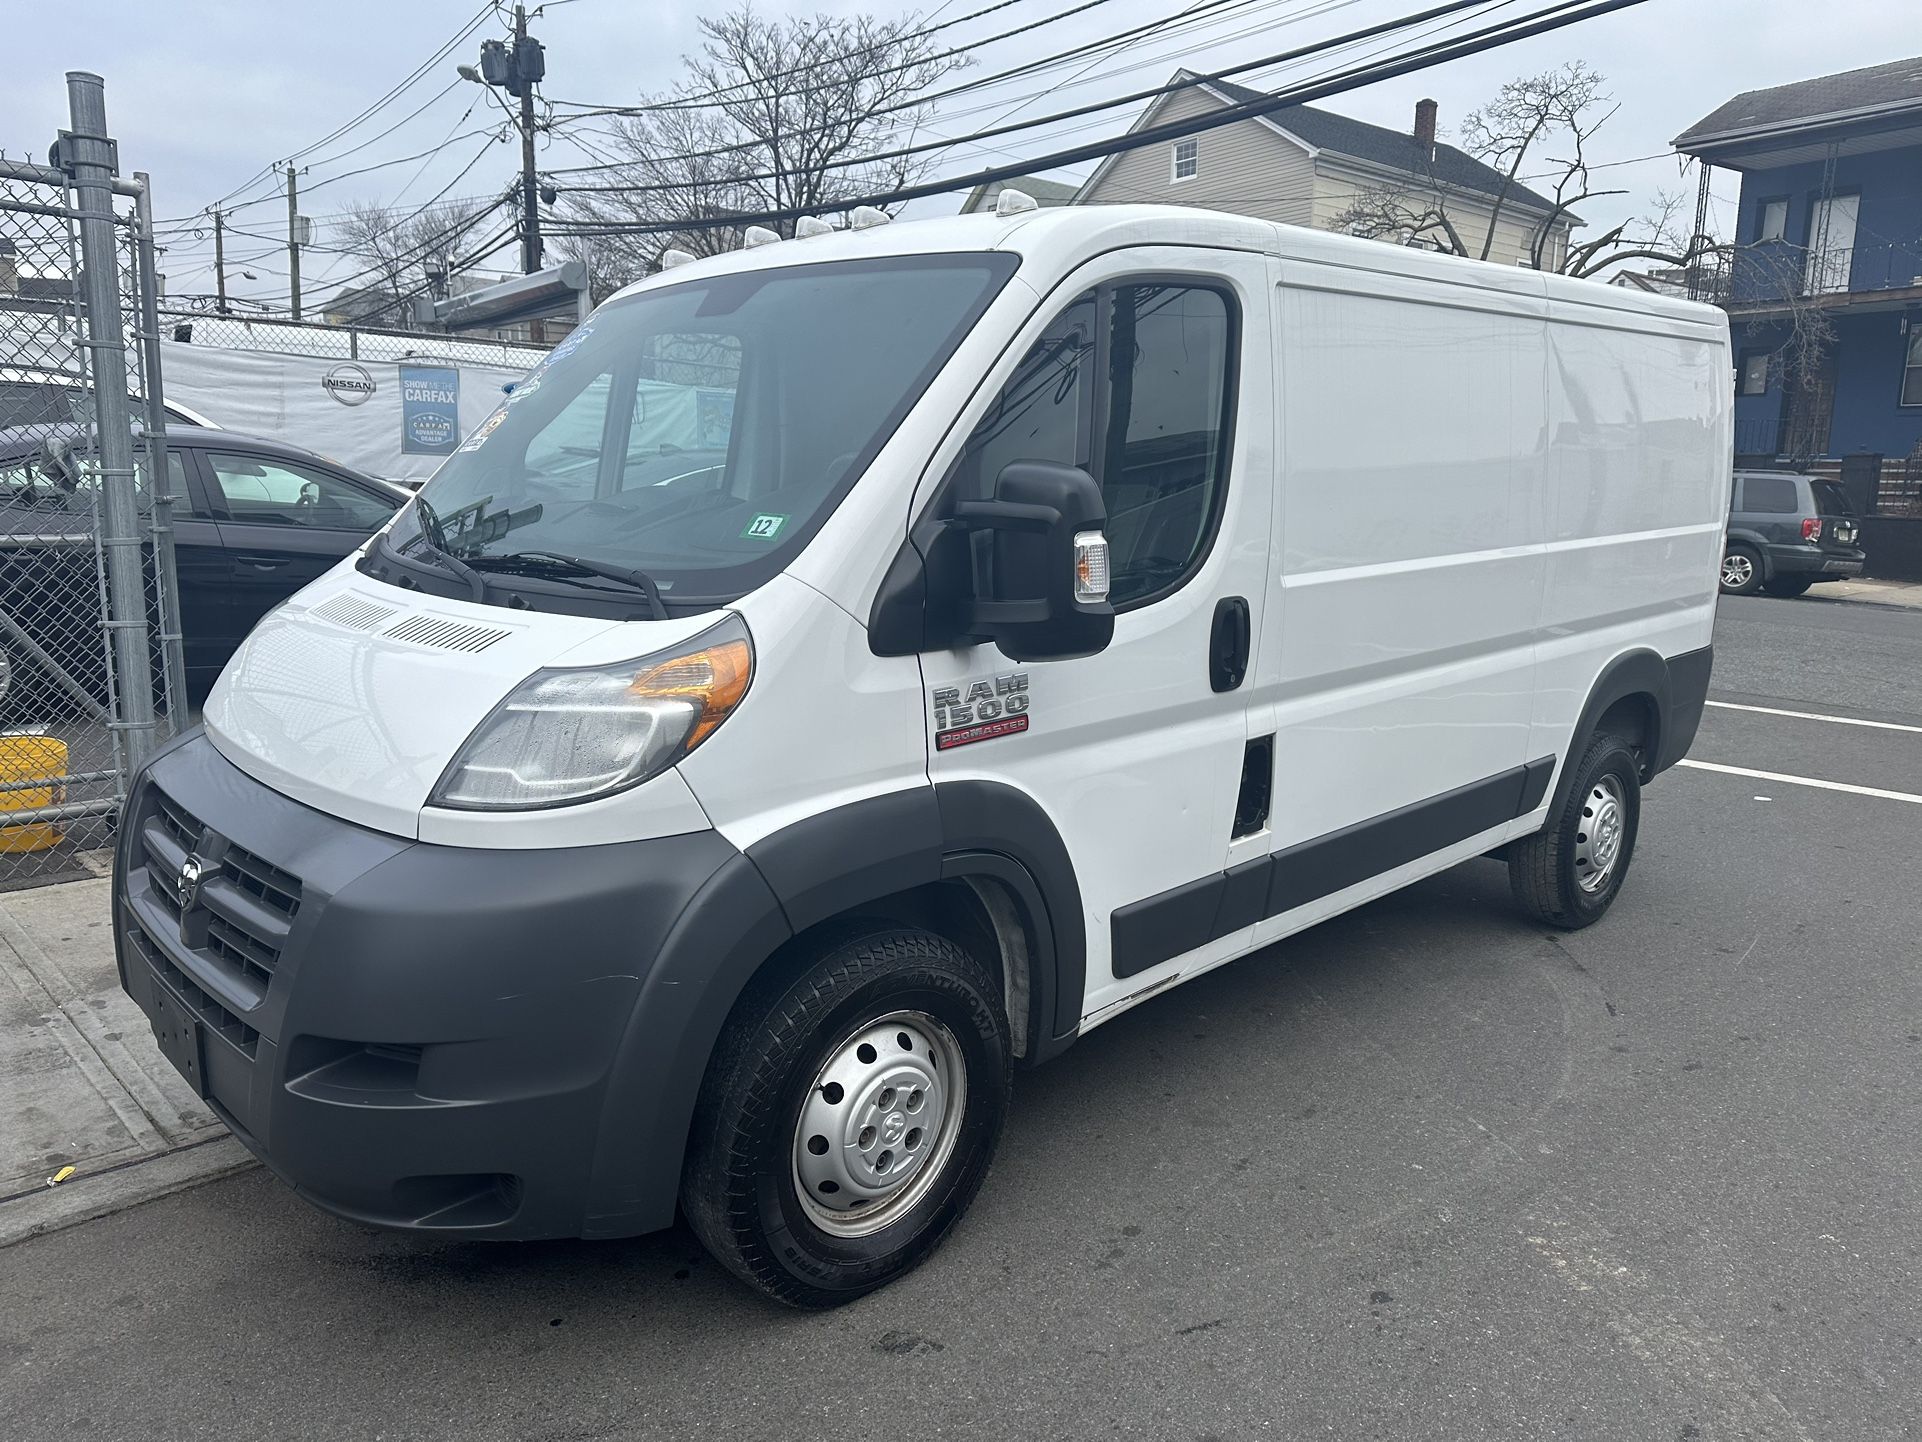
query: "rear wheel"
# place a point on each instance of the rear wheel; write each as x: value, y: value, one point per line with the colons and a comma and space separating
x: 1741, y: 571
x: 849, y: 1116
x: 1786, y: 587
x: 1568, y: 873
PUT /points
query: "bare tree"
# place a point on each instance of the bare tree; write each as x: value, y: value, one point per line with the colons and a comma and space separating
x: 1409, y: 214
x: 405, y: 255
x: 1559, y: 104
x: 762, y: 120
x: 1560, y: 108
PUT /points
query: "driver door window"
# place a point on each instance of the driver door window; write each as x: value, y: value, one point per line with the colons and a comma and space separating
x: 1131, y: 382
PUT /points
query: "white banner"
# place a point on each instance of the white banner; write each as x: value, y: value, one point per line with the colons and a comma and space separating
x: 350, y: 411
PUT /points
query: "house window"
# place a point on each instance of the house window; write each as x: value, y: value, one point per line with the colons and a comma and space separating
x: 1752, y: 379
x: 1187, y: 159
x: 1772, y: 221
x: 1912, y: 368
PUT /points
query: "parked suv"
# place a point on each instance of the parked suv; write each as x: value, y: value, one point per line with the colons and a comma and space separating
x: 1786, y: 531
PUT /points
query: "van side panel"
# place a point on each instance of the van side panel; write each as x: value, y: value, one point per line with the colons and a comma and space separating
x: 1399, y: 656
x: 1636, y: 498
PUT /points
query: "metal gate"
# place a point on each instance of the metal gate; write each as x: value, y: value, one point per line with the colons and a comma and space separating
x: 89, y: 605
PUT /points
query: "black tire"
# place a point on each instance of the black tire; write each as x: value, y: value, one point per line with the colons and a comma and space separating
x: 1741, y: 571
x: 1546, y: 871
x: 1786, y: 587
x: 741, y: 1190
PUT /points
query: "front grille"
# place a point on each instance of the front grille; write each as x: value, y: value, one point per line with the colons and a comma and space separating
x: 242, y: 905
x: 279, y: 889
x: 213, y: 1013
x: 184, y: 830
x: 241, y: 951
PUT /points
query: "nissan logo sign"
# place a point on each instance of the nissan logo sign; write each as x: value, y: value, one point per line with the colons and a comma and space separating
x: 348, y: 384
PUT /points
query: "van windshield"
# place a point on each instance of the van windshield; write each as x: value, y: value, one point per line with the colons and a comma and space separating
x: 701, y: 433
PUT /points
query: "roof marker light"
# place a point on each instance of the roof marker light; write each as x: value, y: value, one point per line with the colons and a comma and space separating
x: 672, y: 258
x: 758, y: 235
x: 811, y: 225
x: 1013, y: 202
x: 866, y: 217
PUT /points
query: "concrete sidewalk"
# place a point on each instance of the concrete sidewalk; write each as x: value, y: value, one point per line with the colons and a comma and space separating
x: 82, y: 1083
x: 1867, y: 589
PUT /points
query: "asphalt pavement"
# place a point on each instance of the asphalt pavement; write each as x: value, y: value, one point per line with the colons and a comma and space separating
x: 1424, y: 1171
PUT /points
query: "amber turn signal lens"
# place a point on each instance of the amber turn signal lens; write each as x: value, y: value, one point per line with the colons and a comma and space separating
x: 715, y: 678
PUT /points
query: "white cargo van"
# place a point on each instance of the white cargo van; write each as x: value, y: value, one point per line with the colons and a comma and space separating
x: 1023, y: 613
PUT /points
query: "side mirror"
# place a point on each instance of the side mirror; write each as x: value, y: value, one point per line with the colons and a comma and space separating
x: 57, y: 462
x: 1039, y: 563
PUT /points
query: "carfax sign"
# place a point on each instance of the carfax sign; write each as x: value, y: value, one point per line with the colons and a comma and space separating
x: 429, y: 410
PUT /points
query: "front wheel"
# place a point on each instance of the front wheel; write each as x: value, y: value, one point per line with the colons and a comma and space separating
x: 1568, y: 873
x: 1741, y: 571
x: 849, y: 1116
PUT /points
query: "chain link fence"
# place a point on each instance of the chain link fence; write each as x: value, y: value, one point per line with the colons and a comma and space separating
x: 90, y: 655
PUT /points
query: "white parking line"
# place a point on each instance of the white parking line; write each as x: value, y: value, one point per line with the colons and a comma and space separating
x: 1803, y: 781
x: 1817, y: 716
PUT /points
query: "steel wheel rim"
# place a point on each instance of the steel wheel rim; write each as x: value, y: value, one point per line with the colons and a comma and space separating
x: 879, y: 1123
x: 1737, y: 569
x: 1599, y: 834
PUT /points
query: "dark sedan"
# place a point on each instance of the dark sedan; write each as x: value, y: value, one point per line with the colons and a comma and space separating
x: 256, y: 520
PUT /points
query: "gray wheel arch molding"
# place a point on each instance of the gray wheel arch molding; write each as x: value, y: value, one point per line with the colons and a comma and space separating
x: 756, y: 901
x: 1675, y: 691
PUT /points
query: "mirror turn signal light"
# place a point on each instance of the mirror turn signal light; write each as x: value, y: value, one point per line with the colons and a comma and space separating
x: 1090, y: 566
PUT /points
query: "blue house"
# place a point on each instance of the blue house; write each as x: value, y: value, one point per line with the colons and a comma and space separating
x: 1824, y: 282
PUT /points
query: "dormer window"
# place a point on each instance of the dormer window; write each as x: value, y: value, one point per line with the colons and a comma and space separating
x: 1187, y: 159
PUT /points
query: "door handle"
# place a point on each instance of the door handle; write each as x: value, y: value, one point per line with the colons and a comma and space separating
x: 1228, y: 644
x: 262, y: 563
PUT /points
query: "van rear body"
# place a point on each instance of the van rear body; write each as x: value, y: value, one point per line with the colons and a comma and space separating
x: 853, y: 667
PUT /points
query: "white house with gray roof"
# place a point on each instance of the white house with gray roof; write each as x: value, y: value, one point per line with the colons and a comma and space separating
x: 1303, y: 165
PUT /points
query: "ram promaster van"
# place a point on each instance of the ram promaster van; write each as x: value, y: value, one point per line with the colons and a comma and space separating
x: 851, y: 668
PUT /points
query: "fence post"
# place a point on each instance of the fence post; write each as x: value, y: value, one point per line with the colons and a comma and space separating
x: 87, y: 155
x: 166, y: 579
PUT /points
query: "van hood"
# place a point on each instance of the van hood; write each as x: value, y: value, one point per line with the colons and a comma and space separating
x: 353, y: 696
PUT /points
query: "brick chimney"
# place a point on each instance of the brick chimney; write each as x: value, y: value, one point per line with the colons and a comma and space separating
x: 1425, y: 125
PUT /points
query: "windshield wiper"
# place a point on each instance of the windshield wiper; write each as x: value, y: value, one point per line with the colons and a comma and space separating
x: 554, y: 560
x: 433, y: 540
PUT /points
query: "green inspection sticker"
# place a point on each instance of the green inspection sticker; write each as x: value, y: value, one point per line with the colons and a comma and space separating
x: 763, y: 528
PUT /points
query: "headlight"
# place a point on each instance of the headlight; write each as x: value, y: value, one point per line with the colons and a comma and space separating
x: 564, y: 736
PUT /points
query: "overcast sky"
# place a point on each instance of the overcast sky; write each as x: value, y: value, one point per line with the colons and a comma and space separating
x: 205, y: 96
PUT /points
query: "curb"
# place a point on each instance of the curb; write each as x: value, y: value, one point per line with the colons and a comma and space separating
x: 114, y: 1189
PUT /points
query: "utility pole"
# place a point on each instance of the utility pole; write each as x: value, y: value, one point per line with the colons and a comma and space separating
x: 220, y: 266
x: 517, y: 68
x: 293, y: 241
x: 530, y: 201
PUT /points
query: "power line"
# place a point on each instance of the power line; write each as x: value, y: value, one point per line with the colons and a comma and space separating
x: 1505, y: 32
x: 1164, y: 27
x: 413, y: 78
x: 710, y: 98
x: 1338, y: 42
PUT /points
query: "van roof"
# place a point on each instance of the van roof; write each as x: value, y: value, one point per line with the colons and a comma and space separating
x: 1058, y: 238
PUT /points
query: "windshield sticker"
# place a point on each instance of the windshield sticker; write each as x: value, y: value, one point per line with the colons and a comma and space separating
x: 485, y: 428
x: 570, y: 343
x: 763, y: 528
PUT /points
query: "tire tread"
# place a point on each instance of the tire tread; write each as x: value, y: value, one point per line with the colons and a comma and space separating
x: 1539, y: 866
x: 776, y: 1015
